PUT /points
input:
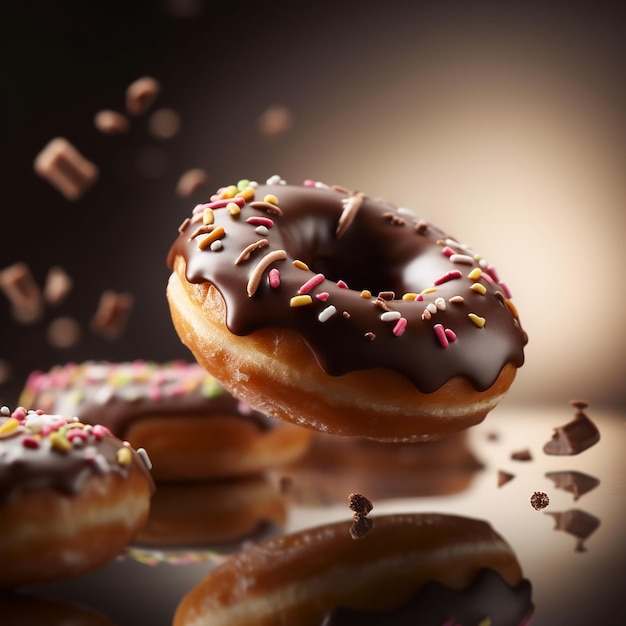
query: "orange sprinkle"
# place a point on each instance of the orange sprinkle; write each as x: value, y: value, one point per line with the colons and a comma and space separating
x: 216, y: 233
x: 511, y: 307
x: 366, y: 293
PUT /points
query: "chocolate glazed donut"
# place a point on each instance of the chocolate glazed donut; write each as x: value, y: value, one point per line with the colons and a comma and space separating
x: 346, y: 314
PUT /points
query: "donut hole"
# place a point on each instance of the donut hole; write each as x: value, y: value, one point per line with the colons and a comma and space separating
x: 357, y: 258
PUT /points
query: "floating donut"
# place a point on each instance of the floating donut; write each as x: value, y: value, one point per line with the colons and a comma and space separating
x: 193, y: 428
x: 72, y: 496
x: 408, y: 569
x: 324, y: 307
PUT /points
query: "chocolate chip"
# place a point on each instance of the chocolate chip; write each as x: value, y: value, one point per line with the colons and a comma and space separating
x: 539, y: 500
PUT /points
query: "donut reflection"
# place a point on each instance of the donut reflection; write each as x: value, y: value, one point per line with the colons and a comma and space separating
x: 192, y: 522
x: 336, y: 466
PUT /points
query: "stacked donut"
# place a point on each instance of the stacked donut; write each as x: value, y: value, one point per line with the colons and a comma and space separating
x: 72, y: 496
x: 324, y: 307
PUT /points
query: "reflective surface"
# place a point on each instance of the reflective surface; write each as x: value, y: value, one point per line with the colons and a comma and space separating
x: 573, y: 551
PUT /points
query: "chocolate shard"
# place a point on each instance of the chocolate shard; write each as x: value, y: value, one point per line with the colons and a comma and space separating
x: 504, y: 477
x: 574, y: 437
x: 575, y: 482
x: 522, y: 455
x: 577, y: 523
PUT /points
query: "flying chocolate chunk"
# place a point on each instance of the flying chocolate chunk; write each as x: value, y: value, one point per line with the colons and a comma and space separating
x: 575, y: 436
x: 578, y: 523
x: 575, y: 482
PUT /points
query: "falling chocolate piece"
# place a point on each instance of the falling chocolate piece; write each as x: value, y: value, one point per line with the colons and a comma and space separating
x: 522, y: 455
x: 504, y: 477
x: 575, y: 436
x: 359, y: 504
x: 361, y: 526
x: 578, y: 523
x: 576, y: 483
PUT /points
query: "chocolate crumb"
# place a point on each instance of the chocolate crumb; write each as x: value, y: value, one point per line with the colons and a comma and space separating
x: 359, y: 504
x: 504, y: 477
x: 579, y: 404
x: 112, y: 314
x: 141, y: 94
x: 522, y: 455
x: 539, y: 500
x: 111, y: 122
x: 191, y: 181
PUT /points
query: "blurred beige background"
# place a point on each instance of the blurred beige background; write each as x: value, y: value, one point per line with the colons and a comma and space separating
x: 500, y: 122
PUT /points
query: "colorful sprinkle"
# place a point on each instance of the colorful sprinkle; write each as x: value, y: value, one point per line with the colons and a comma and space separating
x: 462, y: 258
x: 301, y: 265
x: 366, y: 293
x: 267, y: 207
x: 255, y: 278
x: 479, y: 288
x: 400, y: 327
x: 476, y: 319
x: 440, y: 333
x: 274, y: 278
x: 390, y: 316
x: 475, y: 274
x: 124, y: 456
x: 342, y: 284
x: 410, y: 296
x: 260, y: 220
x: 233, y: 209
x: 208, y: 217
x: 450, y: 335
x: 216, y: 245
x: 311, y: 283
x: 451, y: 275
x: 207, y: 240
x: 248, y: 250
x: 322, y: 296
x: 456, y: 299
x: 327, y: 313
x: 507, y: 291
x: 271, y: 198
x: 143, y: 455
x: 60, y: 442
x: 9, y: 426
x: 300, y: 301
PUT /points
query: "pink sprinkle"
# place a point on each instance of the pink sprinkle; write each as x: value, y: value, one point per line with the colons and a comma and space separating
x: 451, y: 275
x: 441, y: 335
x: 260, y: 220
x: 312, y: 282
x: 322, y: 296
x: 342, y: 284
x: 450, y: 335
x: 154, y: 393
x: 419, y: 298
x: 77, y: 433
x: 487, y: 278
x: 309, y: 183
x: 30, y: 442
x: 398, y: 329
x: 274, y: 278
x: 507, y: 291
x: 99, y: 431
x: 448, y: 251
x: 220, y: 204
x: 19, y: 414
x: 493, y: 273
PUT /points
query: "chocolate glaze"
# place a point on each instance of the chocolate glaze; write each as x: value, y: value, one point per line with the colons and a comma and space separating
x: 26, y: 468
x: 118, y: 394
x: 488, y: 596
x: 382, y: 249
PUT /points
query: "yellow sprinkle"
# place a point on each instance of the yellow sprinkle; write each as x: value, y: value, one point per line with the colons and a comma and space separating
x: 479, y: 288
x: 124, y: 456
x: 9, y: 426
x: 429, y: 290
x: 475, y: 274
x: 246, y: 194
x: 207, y: 216
x: 479, y: 321
x: 409, y: 296
x: 233, y: 208
x: 228, y: 192
x: 302, y: 300
x: 271, y: 198
x: 366, y: 293
x: 511, y: 307
x: 60, y: 442
x: 300, y: 265
x: 216, y: 233
x: 244, y: 183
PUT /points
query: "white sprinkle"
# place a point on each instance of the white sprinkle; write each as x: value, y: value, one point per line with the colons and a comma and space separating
x: 144, y: 457
x: 275, y: 180
x: 261, y: 230
x: 407, y: 212
x: 5, y: 410
x: 432, y: 307
x: 253, y: 184
x: 216, y: 245
x: 440, y: 303
x: 327, y: 313
x: 390, y: 316
x: 320, y: 185
x: 462, y: 258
